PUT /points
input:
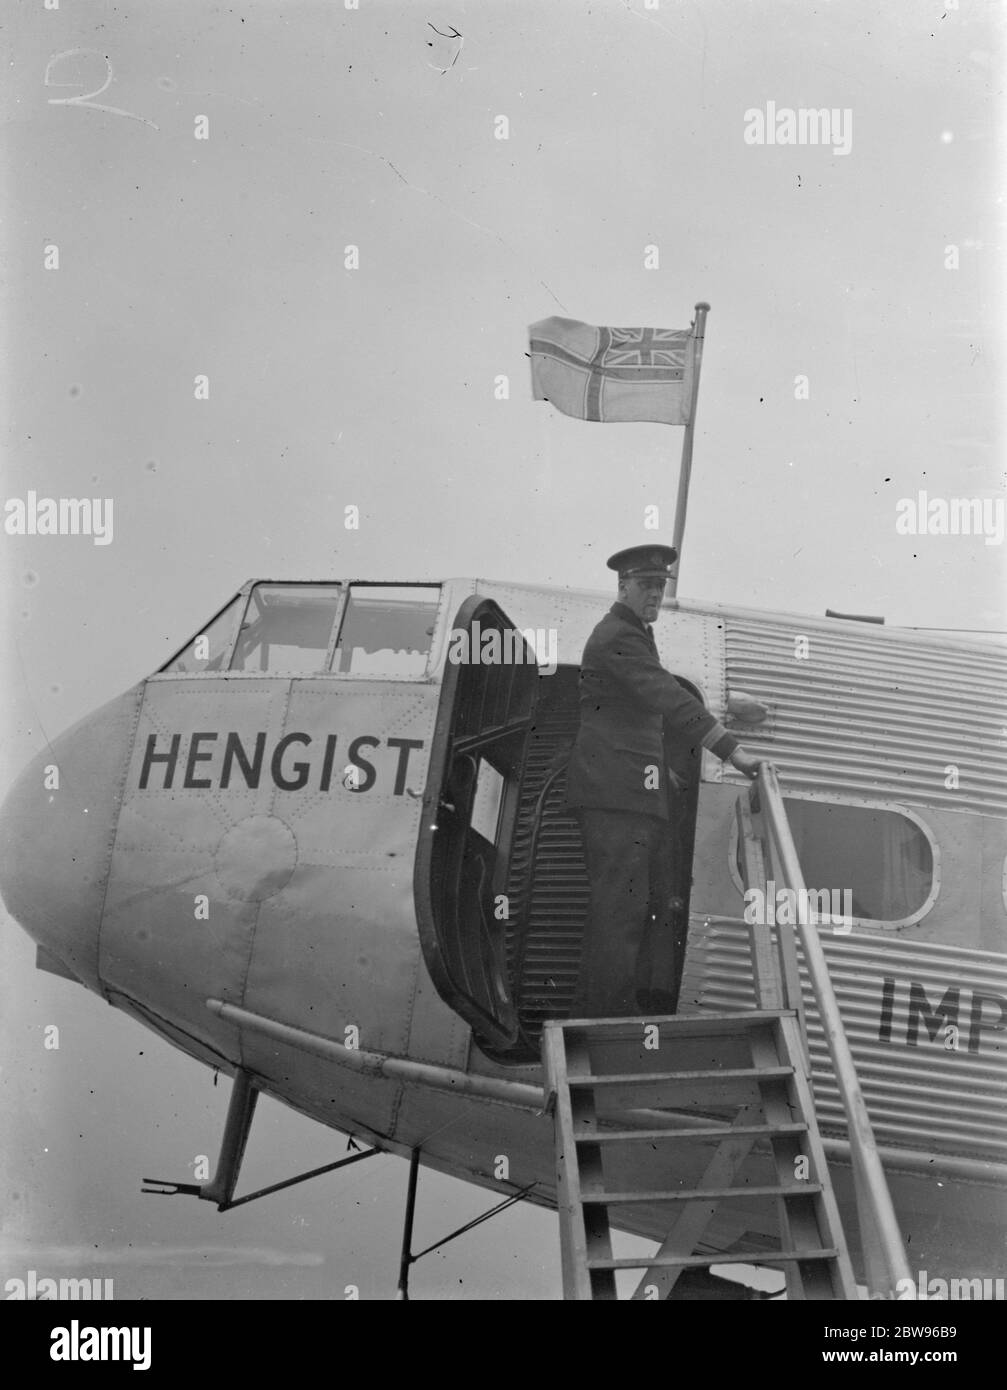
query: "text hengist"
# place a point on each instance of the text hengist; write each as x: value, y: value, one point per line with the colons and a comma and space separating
x: 214, y: 759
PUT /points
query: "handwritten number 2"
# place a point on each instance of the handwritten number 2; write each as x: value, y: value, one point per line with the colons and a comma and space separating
x: 86, y: 98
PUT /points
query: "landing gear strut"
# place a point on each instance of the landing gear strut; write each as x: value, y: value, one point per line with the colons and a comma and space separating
x: 408, y: 1259
x: 220, y: 1188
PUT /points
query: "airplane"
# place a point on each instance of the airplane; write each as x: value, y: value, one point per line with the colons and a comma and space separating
x: 324, y: 849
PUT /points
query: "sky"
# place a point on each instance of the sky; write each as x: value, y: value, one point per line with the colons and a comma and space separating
x: 876, y: 274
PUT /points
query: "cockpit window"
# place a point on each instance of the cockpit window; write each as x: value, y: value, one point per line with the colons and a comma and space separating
x: 209, y: 650
x: 387, y: 630
x: 287, y: 629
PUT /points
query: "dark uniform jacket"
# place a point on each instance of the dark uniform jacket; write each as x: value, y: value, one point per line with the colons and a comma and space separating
x: 634, y: 716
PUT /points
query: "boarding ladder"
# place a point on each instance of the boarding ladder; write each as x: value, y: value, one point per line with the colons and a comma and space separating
x: 704, y: 1128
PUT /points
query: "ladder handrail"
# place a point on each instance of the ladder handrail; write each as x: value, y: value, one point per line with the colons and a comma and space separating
x: 884, y: 1252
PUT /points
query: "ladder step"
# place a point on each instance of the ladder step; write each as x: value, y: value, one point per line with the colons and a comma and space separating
x: 678, y: 1025
x: 739, y: 1067
x: 618, y: 1136
x: 776, y: 1257
x: 704, y: 1194
x: 646, y: 1078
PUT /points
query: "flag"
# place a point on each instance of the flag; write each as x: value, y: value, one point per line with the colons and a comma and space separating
x: 613, y: 374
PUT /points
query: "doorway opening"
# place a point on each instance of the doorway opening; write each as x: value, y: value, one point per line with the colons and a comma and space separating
x: 501, y: 884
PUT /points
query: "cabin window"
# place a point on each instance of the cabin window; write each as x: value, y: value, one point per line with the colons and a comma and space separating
x: 210, y: 648
x: 287, y: 629
x: 883, y: 858
x: 387, y: 630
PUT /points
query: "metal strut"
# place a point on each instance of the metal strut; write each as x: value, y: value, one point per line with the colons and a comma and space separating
x: 220, y: 1188
x: 408, y: 1259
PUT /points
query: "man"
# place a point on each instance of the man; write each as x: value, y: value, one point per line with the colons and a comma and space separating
x: 635, y: 719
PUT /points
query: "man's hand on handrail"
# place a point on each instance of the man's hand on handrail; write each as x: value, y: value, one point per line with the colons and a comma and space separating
x: 745, y: 763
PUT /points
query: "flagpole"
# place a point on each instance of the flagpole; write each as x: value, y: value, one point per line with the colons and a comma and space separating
x: 685, y: 471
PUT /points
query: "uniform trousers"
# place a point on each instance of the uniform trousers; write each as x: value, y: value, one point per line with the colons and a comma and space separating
x: 628, y: 945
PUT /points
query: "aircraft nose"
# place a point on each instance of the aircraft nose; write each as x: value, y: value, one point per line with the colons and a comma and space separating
x: 57, y: 826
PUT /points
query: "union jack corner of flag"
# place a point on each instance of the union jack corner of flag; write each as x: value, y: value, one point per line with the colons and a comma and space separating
x: 648, y: 347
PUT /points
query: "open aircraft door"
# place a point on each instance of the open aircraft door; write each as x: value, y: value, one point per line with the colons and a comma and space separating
x: 470, y: 806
